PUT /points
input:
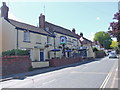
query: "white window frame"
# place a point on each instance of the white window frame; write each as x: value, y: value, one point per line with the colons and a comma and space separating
x: 26, y: 36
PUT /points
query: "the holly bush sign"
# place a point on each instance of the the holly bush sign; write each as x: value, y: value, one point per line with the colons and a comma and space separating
x: 63, y: 40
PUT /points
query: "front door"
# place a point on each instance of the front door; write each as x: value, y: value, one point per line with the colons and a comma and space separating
x: 41, y: 56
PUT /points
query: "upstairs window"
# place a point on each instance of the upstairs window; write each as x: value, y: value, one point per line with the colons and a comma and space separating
x: 48, y: 39
x: 26, y: 36
x: 74, y: 42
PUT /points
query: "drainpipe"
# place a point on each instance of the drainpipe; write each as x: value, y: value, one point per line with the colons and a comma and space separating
x: 17, y: 42
x: 54, y: 48
x: 17, y: 39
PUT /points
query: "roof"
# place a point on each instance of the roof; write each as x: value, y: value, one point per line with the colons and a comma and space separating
x: 27, y: 27
x: 59, y: 29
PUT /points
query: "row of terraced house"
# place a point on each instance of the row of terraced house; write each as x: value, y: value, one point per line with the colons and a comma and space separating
x: 46, y: 41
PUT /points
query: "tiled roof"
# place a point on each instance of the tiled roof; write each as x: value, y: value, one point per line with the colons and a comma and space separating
x: 59, y: 29
x: 27, y: 26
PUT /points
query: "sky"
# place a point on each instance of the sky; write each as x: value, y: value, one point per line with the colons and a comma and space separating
x: 86, y: 17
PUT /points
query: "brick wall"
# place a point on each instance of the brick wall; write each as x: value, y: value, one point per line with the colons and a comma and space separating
x: 14, y: 64
x: 99, y: 54
x: 64, y: 61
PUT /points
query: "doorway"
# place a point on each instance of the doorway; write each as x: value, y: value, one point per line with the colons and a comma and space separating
x: 41, y: 55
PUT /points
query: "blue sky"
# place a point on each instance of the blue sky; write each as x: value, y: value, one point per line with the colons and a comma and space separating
x: 86, y: 17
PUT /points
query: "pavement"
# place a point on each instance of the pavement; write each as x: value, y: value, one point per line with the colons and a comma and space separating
x: 41, y: 70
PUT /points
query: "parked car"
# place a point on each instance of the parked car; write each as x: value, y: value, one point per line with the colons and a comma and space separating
x: 112, y: 55
x: 108, y: 52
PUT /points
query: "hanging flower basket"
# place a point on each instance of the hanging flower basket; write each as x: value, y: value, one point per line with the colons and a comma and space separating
x: 46, y: 46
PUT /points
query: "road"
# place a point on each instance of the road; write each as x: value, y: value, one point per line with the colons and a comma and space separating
x: 101, y: 73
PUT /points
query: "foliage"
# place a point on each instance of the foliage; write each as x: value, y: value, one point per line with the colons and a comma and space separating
x: 14, y: 52
x: 103, y: 38
x: 95, y: 49
x: 117, y: 49
x: 100, y: 51
x: 114, y: 28
x: 30, y: 68
x: 114, y: 44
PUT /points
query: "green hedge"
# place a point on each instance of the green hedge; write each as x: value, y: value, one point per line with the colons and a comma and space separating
x: 14, y: 52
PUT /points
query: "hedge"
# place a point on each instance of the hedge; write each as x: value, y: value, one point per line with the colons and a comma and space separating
x: 14, y: 52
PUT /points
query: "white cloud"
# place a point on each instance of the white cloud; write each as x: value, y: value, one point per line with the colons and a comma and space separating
x: 98, y: 18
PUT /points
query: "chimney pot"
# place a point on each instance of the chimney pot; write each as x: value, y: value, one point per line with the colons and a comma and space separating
x: 81, y: 34
x: 73, y: 30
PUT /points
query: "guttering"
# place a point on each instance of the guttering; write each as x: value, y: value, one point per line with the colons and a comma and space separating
x: 32, y: 31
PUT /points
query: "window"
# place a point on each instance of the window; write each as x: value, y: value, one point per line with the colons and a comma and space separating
x: 69, y: 40
x: 26, y: 36
x: 74, y: 42
x: 48, y: 39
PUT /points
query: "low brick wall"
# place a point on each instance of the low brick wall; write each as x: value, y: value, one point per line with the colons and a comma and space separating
x: 14, y: 64
x: 99, y: 54
x: 64, y: 61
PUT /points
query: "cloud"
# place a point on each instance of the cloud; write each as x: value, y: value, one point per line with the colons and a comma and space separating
x: 98, y: 18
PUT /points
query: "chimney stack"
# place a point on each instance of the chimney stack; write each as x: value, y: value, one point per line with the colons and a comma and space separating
x: 81, y: 34
x: 4, y: 10
x: 73, y: 30
x: 42, y: 21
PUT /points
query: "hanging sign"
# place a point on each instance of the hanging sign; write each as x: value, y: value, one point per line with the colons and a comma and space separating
x: 63, y: 40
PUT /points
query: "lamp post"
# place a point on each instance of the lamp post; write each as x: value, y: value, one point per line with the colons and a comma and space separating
x: 63, y: 50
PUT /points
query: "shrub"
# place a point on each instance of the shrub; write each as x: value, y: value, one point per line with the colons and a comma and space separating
x: 30, y: 68
x: 14, y: 52
x: 117, y: 49
x: 95, y: 49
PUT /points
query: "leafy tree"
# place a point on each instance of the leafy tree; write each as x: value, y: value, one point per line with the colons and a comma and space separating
x: 104, y: 39
x: 114, y: 44
x: 114, y: 28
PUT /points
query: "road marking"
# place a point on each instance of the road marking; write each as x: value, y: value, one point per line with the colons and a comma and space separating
x: 114, y: 78
x: 49, y: 81
x: 89, y: 72
x: 84, y: 67
x: 108, y: 77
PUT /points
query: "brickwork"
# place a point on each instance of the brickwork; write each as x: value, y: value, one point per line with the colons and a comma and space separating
x: 14, y: 64
x: 64, y: 61
x: 99, y: 55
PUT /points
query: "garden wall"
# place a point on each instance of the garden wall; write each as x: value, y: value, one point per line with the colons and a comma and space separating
x: 64, y: 61
x: 99, y: 54
x: 14, y: 64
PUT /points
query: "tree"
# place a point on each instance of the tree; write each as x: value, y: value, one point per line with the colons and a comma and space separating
x: 104, y: 39
x: 114, y: 44
x: 114, y: 28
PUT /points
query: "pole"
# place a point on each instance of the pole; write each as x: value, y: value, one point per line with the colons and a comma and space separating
x: 54, y: 49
